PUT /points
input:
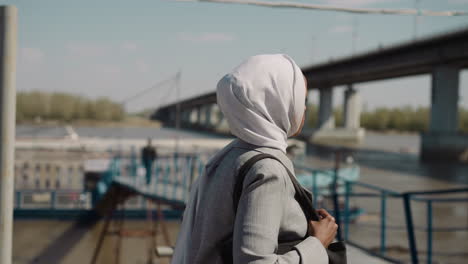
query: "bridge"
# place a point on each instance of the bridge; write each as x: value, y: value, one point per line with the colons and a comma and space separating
x: 441, y: 56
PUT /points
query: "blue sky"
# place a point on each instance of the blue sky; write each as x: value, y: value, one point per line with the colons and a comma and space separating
x: 116, y: 48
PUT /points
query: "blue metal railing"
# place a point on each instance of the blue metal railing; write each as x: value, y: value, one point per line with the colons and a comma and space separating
x: 60, y: 204
x: 413, y: 196
x: 181, y: 170
x: 383, y: 194
x: 173, y: 174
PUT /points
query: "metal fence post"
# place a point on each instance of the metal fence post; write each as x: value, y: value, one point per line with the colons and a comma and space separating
x: 8, y: 29
x: 346, y: 209
x: 18, y: 199
x: 383, y: 222
x: 166, y: 177
x: 429, y: 231
x: 334, y: 190
x: 53, y: 199
x: 314, y: 188
x: 157, y: 170
x: 410, y: 228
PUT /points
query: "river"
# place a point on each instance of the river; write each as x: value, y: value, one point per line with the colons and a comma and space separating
x: 386, y: 160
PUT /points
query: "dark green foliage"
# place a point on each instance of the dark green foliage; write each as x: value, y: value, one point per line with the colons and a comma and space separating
x: 65, y: 107
x: 406, y: 118
x: 398, y: 119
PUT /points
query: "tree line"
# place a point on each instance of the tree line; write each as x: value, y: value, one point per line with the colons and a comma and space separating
x: 65, y: 107
x: 402, y: 119
x: 31, y: 106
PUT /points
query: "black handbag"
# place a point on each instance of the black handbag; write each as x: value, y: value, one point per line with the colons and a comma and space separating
x: 336, y: 251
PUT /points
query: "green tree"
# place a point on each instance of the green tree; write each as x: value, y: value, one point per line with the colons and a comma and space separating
x: 65, y: 107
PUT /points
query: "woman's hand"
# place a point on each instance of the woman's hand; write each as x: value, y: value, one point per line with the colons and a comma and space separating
x: 325, y: 229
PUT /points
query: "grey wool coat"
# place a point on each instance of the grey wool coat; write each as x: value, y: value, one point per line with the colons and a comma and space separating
x: 267, y: 212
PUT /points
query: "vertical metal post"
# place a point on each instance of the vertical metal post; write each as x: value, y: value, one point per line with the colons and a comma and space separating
x: 18, y: 199
x: 314, y: 188
x: 336, y: 204
x: 410, y: 229
x: 177, y: 121
x: 193, y: 160
x: 53, y: 199
x: 186, y: 175
x: 157, y: 169
x: 166, y: 177
x: 175, y: 180
x: 383, y: 221
x: 134, y: 163
x: 201, y: 168
x: 416, y: 20
x: 429, y: 231
x: 8, y: 29
x: 346, y: 209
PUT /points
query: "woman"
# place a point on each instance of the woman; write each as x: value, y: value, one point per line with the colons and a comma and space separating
x: 263, y: 100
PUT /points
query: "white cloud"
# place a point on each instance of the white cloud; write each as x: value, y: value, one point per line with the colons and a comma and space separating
x: 31, y: 55
x: 206, y: 37
x: 129, y: 46
x: 341, y: 29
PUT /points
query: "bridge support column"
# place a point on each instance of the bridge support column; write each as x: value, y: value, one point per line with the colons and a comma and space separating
x: 351, y: 132
x: 199, y: 116
x: 221, y: 124
x: 326, y: 119
x: 172, y: 117
x: 217, y: 116
x: 352, y: 108
x: 185, y: 118
x: 444, y: 100
x: 208, y: 121
x: 442, y: 142
x: 193, y: 116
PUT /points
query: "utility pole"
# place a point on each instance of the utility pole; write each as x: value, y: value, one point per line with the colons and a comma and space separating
x: 8, y: 29
x: 416, y: 20
x: 354, y: 36
x: 177, y: 123
x: 312, y: 50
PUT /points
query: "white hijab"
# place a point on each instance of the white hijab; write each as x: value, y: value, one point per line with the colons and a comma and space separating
x: 263, y: 100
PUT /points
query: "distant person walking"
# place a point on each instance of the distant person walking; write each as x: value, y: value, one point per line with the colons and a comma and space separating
x: 148, y: 156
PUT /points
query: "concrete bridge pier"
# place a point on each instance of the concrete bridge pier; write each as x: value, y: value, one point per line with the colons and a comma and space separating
x: 217, y: 118
x: 326, y: 129
x: 326, y: 119
x: 443, y: 141
x: 193, y: 116
x: 198, y: 120
x: 352, y: 115
x: 208, y: 110
x: 185, y: 118
x: 172, y: 118
x: 201, y: 116
x: 351, y: 108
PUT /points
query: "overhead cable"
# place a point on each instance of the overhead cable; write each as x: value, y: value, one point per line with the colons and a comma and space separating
x: 406, y: 11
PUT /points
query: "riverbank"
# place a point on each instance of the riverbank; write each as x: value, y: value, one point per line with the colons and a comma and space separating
x: 128, y: 121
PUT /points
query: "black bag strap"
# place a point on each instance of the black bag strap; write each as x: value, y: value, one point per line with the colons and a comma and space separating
x: 302, y: 196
